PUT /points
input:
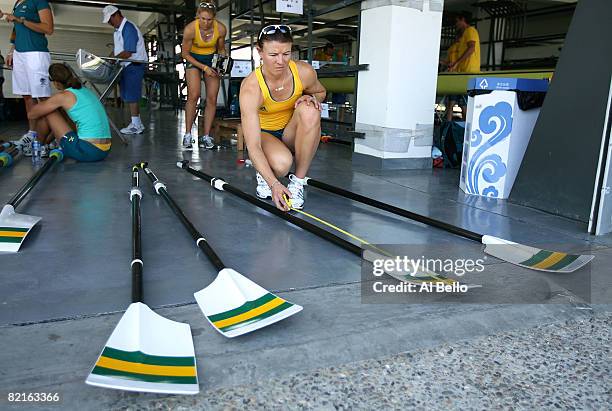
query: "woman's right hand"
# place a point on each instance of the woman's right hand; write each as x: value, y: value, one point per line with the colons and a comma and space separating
x: 9, y: 60
x: 278, y: 191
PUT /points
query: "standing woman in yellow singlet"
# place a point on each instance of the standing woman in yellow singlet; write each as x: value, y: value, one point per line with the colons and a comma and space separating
x: 280, y: 105
x: 202, y: 38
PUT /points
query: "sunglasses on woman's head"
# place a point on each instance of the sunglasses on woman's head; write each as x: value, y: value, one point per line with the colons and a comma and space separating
x: 207, y: 6
x: 273, y: 29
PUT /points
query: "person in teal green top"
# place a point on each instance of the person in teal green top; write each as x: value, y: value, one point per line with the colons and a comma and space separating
x: 89, y: 137
x: 29, y: 57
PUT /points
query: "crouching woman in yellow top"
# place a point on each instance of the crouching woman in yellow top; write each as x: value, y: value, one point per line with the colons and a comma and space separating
x: 280, y: 104
x: 91, y: 140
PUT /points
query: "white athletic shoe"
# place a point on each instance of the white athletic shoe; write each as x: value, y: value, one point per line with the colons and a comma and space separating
x: 133, y: 129
x: 24, y: 141
x: 206, y: 142
x: 263, y: 190
x: 26, y: 150
x: 188, y: 141
x: 296, y: 187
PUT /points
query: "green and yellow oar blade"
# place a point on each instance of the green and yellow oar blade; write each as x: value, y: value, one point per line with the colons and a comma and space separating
x: 14, y: 228
x: 235, y: 305
x: 534, y: 258
x: 147, y: 353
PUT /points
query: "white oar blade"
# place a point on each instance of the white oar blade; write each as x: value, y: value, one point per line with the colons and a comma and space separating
x: 147, y: 353
x: 14, y: 228
x: 534, y: 258
x: 235, y: 305
x: 415, y: 275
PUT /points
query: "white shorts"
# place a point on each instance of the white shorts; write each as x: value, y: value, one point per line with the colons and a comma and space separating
x: 31, y: 74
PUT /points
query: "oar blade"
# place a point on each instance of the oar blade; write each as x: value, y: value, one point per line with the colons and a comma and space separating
x: 534, y: 258
x: 415, y: 274
x: 147, y: 353
x: 235, y: 305
x: 14, y: 228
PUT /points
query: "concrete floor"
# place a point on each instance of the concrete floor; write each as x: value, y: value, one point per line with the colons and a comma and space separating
x: 74, y: 267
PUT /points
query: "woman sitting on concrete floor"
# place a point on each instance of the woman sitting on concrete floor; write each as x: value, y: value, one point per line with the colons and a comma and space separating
x: 93, y: 141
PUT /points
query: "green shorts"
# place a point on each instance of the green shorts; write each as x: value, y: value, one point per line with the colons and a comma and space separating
x: 80, y: 149
x: 276, y: 133
x: 205, y: 59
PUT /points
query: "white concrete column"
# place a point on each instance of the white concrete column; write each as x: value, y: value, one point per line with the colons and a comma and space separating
x: 400, y: 40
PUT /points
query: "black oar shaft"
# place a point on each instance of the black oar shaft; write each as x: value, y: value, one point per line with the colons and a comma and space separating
x: 135, y: 197
x: 395, y: 210
x: 25, y: 190
x: 160, y: 188
x: 285, y: 216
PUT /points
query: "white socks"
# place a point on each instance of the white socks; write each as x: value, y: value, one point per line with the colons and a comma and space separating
x: 136, y: 121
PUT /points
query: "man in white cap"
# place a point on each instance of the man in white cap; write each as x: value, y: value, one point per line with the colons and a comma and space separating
x: 129, y: 44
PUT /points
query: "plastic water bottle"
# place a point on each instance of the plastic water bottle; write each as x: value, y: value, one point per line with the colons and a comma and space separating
x: 234, y: 106
x: 36, y: 152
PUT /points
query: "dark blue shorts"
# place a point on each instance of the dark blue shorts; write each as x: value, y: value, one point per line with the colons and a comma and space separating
x: 80, y: 149
x: 205, y: 59
x: 276, y: 133
x: 131, y: 83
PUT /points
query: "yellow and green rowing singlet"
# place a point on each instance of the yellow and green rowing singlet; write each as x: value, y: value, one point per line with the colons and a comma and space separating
x: 274, y: 115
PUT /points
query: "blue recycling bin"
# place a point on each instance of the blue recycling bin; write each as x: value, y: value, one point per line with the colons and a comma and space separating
x: 501, y: 115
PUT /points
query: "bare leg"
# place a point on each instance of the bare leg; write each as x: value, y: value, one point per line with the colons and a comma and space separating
x: 302, y: 135
x: 29, y: 104
x: 278, y: 155
x: 58, y: 124
x: 212, y: 90
x: 134, y: 109
x: 449, y: 110
x: 193, y: 95
x: 42, y: 126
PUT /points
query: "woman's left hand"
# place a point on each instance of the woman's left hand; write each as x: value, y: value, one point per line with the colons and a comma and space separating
x: 308, y: 99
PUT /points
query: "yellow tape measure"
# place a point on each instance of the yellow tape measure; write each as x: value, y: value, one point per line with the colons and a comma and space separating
x: 354, y: 237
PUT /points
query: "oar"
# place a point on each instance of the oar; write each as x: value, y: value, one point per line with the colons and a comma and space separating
x: 146, y: 352
x: 15, y: 227
x: 9, y: 156
x: 518, y: 254
x: 417, y: 275
x: 233, y: 304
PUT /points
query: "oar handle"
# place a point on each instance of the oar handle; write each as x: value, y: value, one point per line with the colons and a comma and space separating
x: 136, y: 265
x: 7, y: 157
x: 5, y: 146
x: 395, y: 210
x: 222, y: 185
x: 54, y: 157
x: 201, y: 243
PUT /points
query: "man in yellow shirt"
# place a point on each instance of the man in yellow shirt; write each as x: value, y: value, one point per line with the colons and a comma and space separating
x: 326, y: 53
x: 468, y: 48
x: 468, y: 52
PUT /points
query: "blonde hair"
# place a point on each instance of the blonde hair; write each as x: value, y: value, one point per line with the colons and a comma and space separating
x: 212, y: 10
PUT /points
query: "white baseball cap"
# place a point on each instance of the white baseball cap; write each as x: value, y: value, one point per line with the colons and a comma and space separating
x: 107, y: 12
